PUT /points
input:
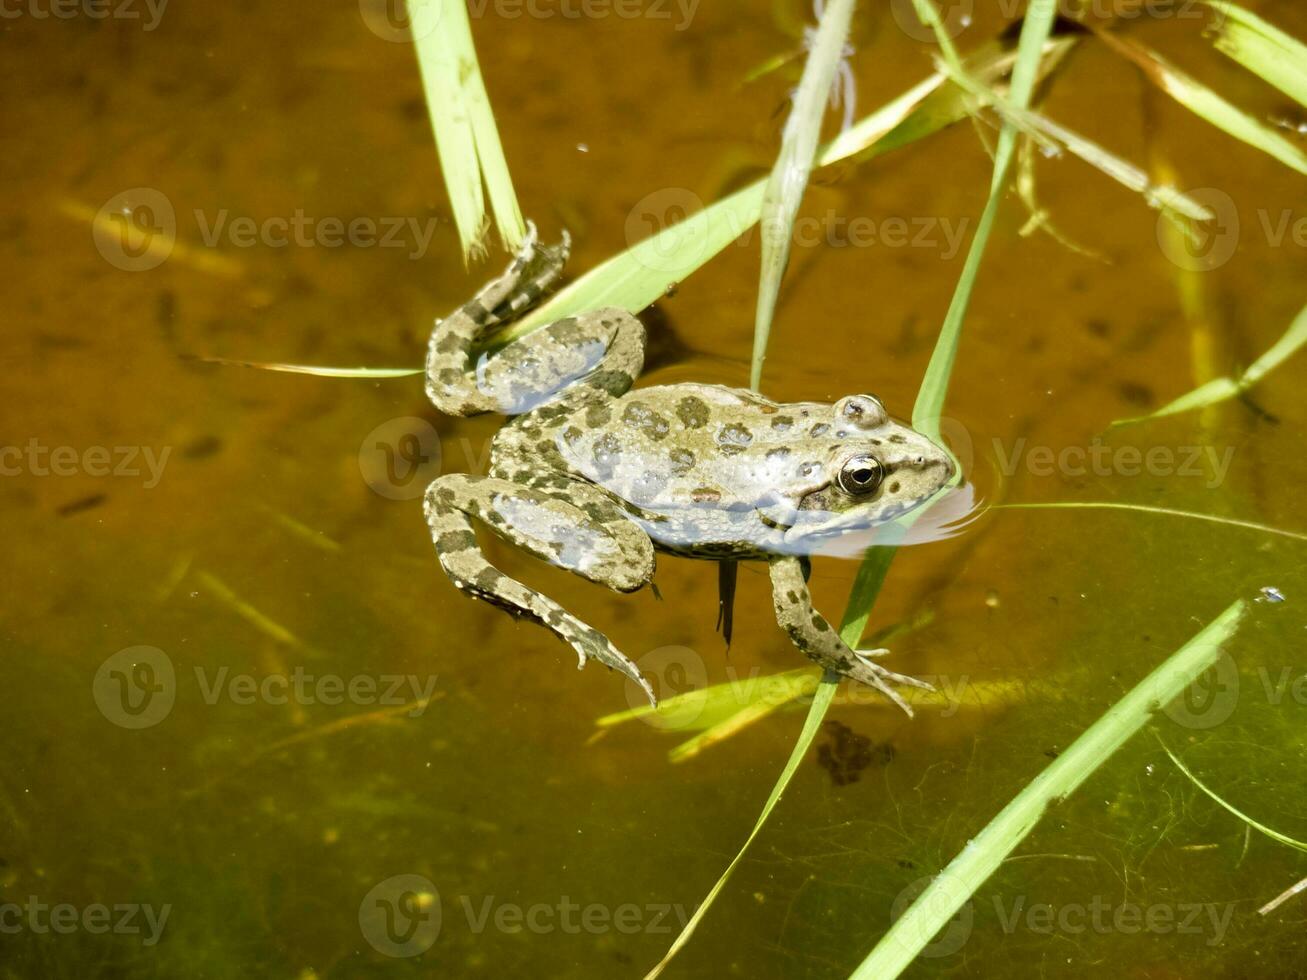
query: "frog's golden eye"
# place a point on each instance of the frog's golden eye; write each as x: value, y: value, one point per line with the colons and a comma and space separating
x: 861, y: 475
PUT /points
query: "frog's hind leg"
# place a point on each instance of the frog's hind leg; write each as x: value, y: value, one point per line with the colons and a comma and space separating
x: 570, y: 524
x: 574, y: 360
x: 451, y: 384
x: 819, y: 641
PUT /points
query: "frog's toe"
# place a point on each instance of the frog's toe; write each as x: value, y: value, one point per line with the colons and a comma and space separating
x: 874, y: 675
x: 590, y: 644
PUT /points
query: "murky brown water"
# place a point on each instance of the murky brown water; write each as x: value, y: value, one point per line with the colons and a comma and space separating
x: 234, y: 531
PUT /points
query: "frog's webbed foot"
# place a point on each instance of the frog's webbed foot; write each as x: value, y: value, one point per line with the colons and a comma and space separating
x: 821, y: 643
x: 571, y: 525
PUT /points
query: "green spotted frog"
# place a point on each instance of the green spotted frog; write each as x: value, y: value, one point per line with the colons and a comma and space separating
x: 595, y: 477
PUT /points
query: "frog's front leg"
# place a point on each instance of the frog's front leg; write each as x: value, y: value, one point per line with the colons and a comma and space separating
x: 569, y: 524
x: 819, y: 641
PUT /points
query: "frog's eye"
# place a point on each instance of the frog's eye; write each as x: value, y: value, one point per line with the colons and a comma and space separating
x: 861, y: 475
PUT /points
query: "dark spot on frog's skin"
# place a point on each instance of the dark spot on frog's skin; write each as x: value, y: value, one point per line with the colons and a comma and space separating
x: 898, y: 438
x: 449, y: 376
x: 613, y: 382
x: 449, y: 343
x: 682, y: 461
x: 780, y: 452
x: 597, y: 415
x: 734, y: 435
x: 607, y: 451
x: 807, y: 469
x: 894, y: 487
x: 596, y: 512
x: 730, y: 450
x: 792, y: 598
x: 819, y: 624
x: 820, y: 429
x: 782, y: 422
x: 705, y: 495
x: 692, y: 411
x: 644, y: 419
x: 571, y: 434
x: 567, y: 332
x: 445, y: 495
x: 453, y: 541
x: 544, y: 446
x: 488, y: 578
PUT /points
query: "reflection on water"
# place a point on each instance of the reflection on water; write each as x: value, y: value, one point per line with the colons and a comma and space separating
x: 250, y: 728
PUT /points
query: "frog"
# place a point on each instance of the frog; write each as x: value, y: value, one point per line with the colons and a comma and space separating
x: 598, y: 477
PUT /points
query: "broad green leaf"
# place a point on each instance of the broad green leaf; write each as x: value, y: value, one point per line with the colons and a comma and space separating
x: 635, y: 278
x: 1262, y: 48
x: 955, y: 885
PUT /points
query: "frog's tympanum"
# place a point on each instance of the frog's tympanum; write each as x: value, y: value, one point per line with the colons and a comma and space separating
x: 595, y: 477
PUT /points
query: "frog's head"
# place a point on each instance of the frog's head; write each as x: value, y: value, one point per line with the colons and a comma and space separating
x: 876, y: 469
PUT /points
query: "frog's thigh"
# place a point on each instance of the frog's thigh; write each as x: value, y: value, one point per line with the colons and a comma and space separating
x: 817, y: 638
x: 603, y: 347
x: 573, y: 525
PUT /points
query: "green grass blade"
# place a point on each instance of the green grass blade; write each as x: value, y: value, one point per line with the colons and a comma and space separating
x: 318, y: 370
x: 1165, y: 511
x: 464, y: 125
x: 1259, y: 827
x: 1048, y: 133
x: 1221, y: 389
x: 789, y: 176
x: 955, y: 885
x: 934, y: 386
x: 635, y: 278
x: 1203, y: 102
x: 822, y: 697
x: 1289, y: 344
x: 872, y: 571
x: 1263, y: 49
